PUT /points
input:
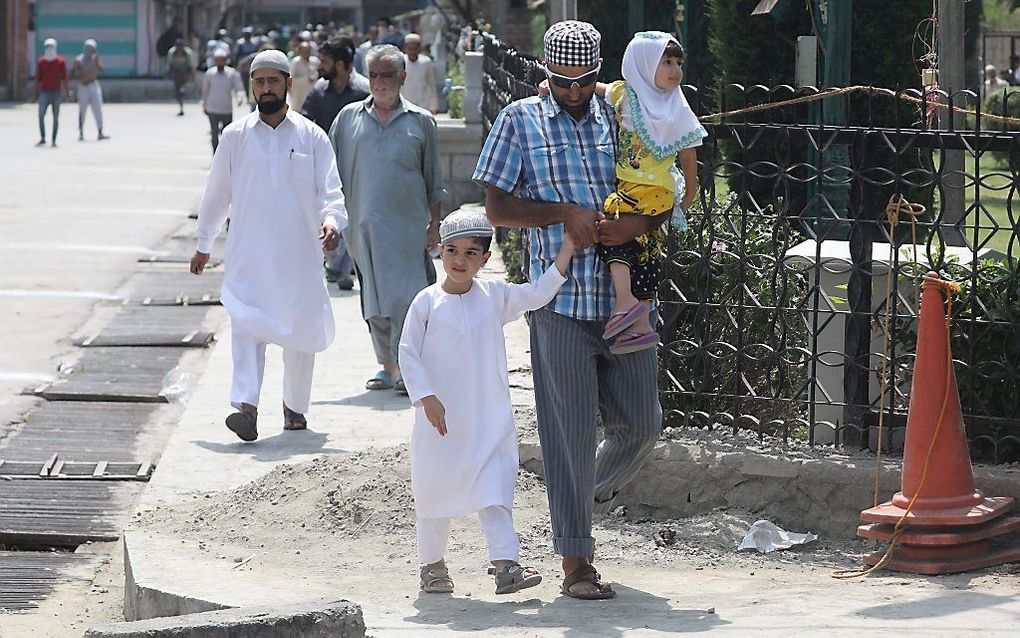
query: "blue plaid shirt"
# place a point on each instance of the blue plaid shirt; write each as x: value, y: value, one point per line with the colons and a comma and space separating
x: 537, y: 151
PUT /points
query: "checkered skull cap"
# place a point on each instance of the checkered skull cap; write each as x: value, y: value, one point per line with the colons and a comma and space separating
x: 572, y: 43
x: 464, y: 223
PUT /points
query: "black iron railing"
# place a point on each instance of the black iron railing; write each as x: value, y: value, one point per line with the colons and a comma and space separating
x: 774, y: 307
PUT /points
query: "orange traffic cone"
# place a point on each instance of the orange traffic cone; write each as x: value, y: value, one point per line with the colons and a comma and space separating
x: 949, y: 520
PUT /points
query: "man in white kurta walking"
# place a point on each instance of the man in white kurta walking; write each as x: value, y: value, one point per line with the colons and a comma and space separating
x: 463, y: 442
x: 420, y: 87
x: 276, y: 171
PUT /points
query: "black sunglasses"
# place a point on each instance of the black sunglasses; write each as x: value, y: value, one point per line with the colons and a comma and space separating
x: 566, y: 82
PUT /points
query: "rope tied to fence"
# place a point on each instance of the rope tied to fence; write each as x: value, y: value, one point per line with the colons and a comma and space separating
x: 898, y: 206
x: 827, y: 93
x: 950, y: 288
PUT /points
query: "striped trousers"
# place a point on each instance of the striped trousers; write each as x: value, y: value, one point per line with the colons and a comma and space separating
x: 576, y: 378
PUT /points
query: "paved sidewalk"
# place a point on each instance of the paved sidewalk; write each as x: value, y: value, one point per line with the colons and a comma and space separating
x: 173, y: 575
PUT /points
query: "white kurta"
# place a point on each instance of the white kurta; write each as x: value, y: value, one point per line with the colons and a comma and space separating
x: 281, y: 185
x: 452, y: 347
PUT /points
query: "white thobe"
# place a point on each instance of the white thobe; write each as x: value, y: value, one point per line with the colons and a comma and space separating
x: 452, y: 347
x: 303, y: 75
x: 420, y: 85
x: 281, y: 186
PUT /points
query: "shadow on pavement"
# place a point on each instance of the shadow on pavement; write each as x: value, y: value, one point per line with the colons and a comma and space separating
x: 278, y: 447
x: 387, y: 400
x: 944, y: 605
x: 631, y: 609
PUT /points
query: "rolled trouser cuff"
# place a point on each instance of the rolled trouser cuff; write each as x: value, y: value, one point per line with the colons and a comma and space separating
x: 573, y: 546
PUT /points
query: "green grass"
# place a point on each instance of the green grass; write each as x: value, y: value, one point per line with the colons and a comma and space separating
x: 993, y: 226
x: 998, y: 16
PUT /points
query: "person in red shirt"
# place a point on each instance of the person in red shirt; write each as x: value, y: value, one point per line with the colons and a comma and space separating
x: 51, y: 85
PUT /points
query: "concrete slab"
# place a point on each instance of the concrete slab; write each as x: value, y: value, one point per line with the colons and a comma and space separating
x: 311, y: 619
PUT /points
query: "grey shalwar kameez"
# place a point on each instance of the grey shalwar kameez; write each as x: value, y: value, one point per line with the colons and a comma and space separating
x: 390, y: 178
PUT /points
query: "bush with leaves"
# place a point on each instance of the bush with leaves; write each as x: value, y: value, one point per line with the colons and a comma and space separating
x: 1002, y: 103
x: 733, y: 323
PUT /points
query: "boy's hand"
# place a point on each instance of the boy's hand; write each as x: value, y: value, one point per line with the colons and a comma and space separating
x: 435, y: 413
x: 581, y: 225
x: 543, y: 88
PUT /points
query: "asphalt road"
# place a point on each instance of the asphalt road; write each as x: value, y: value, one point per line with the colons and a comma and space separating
x: 74, y: 219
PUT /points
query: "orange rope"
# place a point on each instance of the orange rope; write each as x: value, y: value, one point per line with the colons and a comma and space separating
x: 899, y: 529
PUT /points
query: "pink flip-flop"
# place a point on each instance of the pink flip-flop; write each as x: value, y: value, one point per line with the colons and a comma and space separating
x: 620, y: 321
x: 634, y: 341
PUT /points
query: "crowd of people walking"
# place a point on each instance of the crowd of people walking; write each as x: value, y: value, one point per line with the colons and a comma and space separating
x: 362, y: 167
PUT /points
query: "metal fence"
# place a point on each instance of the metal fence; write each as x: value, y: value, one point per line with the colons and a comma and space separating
x: 775, y: 304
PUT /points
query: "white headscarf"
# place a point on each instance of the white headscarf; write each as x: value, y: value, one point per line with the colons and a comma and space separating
x: 50, y: 49
x: 663, y: 119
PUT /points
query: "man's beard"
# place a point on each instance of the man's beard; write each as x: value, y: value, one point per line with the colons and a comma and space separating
x: 270, y: 106
x: 328, y: 76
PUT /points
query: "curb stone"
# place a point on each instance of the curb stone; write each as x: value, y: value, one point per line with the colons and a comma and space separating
x: 312, y: 619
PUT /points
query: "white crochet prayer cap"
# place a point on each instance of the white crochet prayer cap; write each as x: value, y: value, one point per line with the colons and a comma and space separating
x: 271, y: 60
x: 572, y: 43
x: 464, y: 223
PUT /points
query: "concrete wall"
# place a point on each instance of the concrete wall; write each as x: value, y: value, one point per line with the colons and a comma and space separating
x: 459, y: 146
x: 808, y: 490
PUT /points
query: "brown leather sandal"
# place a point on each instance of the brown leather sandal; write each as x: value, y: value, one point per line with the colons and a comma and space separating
x: 293, y: 420
x: 587, y: 574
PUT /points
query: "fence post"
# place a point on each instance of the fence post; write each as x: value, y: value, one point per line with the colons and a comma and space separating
x: 473, y: 86
x: 857, y: 336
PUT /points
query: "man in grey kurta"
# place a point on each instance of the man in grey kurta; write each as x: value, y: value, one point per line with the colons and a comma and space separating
x: 387, y: 153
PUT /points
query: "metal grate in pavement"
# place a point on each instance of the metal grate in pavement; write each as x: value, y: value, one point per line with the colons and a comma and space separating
x: 56, y: 468
x: 115, y: 374
x: 35, y: 513
x: 26, y: 578
x: 174, y: 288
x: 166, y: 326
x: 82, y: 431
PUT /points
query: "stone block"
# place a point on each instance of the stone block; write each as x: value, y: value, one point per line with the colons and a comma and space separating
x: 463, y: 166
x: 312, y: 619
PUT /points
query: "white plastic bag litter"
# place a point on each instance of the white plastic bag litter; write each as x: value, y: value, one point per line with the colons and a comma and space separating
x: 178, y: 386
x: 766, y: 537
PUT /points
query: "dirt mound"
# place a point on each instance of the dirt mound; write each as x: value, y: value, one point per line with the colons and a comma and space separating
x: 334, y: 503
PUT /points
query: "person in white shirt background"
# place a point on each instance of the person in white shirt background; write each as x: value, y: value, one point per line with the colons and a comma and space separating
x: 275, y: 171
x: 304, y: 71
x: 220, y: 84
x: 420, y: 86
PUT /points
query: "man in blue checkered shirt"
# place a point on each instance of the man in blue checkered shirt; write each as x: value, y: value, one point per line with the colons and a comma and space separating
x: 547, y: 166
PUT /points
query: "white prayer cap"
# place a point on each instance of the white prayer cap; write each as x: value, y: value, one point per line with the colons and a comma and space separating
x: 990, y: 67
x: 464, y: 223
x: 221, y: 52
x: 50, y: 42
x: 271, y: 60
x: 572, y: 43
x: 90, y: 44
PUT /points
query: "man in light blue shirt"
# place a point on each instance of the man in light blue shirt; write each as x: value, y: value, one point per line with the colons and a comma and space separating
x: 547, y: 166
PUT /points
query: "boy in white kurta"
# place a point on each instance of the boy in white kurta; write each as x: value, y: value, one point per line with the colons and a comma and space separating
x: 463, y: 444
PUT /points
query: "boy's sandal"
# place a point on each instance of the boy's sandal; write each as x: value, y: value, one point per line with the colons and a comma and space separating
x: 400, y: 387
x: 620, y: 321
x: 515, y: 578
x: 293, y: 420
x: 587, y: 574
x: 381, y: 381
x: 633, y: 342
x: 435, y: 579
